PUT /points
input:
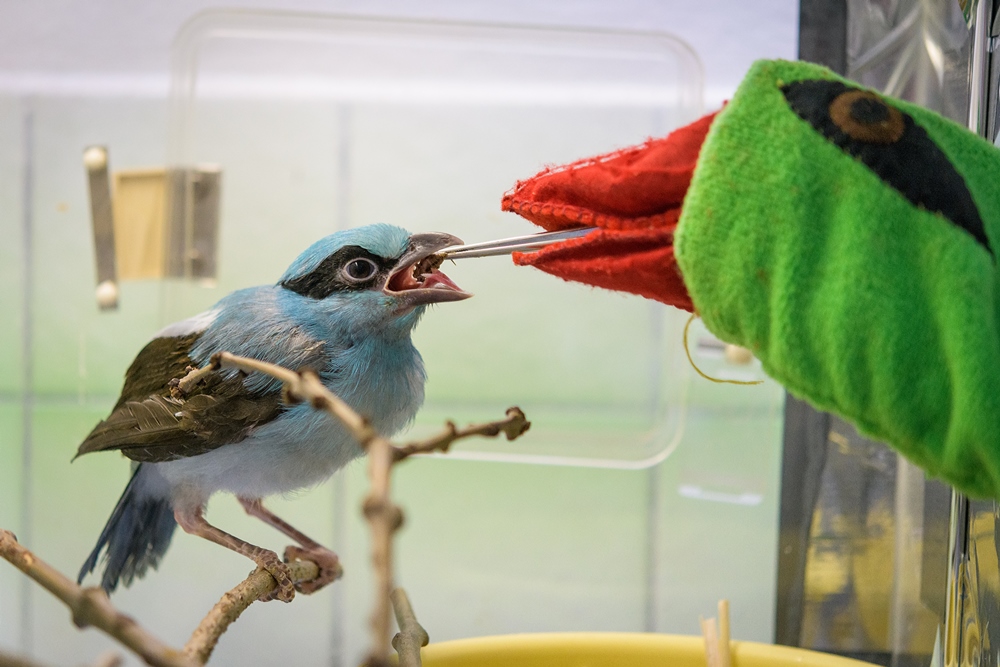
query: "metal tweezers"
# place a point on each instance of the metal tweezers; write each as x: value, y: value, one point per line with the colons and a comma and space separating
x: 513, y: 244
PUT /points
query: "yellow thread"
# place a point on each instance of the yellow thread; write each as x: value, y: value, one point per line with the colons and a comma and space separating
x: 687, y: 351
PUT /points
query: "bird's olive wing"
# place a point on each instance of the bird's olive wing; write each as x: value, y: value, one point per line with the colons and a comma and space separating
x: 149, y: 425
x: 161, y: 428
x: 162, y: 360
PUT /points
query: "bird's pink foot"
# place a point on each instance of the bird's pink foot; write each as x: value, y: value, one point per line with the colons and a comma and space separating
x: 285, y: 590
x: 328, y: 562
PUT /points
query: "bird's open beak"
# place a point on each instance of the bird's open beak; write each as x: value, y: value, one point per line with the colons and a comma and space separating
x: 416, y: 280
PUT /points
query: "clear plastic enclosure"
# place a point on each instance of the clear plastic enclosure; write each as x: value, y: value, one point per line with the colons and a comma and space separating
x: 323, y: 123
x: 319, y: 123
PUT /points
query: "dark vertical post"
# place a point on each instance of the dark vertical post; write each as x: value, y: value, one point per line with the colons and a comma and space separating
x: 802, y: 462
x: 962, y: 511
x: 822, y: 40
x: 823, y: 33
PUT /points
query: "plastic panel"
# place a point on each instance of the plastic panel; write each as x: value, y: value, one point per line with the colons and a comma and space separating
x: 321, y: 123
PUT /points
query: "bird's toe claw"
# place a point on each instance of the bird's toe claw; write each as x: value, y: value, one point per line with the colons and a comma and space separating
x: 285, y: 590
x: 327, y: 561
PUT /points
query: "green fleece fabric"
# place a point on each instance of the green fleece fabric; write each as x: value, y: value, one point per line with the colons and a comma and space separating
x: 854, y: 298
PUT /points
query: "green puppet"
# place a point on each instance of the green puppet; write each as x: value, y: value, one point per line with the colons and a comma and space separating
x: 846, y: 238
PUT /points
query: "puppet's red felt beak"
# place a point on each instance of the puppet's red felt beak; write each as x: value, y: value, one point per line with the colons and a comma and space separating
x: 634, y: 196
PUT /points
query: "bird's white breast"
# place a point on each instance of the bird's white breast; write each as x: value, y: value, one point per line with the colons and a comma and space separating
x: 304, y: 446
x: 282, y: 456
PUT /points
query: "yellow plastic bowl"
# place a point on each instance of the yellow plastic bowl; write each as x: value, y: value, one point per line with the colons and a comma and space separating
x: 614, y: 649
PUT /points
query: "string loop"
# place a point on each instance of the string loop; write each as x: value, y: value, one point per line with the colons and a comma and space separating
x: 687, y: 351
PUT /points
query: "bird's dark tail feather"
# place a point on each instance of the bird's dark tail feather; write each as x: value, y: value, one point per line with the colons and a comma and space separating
x: 136, y: 536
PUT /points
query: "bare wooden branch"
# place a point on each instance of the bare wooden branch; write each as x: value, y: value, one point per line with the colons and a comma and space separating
x: 109, y: 659
x: 384, y: 517
x: 183, y: 386
x: 91, y: 607
x: 11, y: 660
x: 513, y: 426
x: 204, y: 638
x: 411, y: 636
x: 304, y: 386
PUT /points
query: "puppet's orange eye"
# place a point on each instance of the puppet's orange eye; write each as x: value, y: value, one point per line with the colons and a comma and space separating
x: 892, y: 145
x: 865, y: 117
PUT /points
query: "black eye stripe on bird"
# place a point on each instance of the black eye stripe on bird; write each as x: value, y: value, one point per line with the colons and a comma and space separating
x: 893, y: 146
x: 326, y: 278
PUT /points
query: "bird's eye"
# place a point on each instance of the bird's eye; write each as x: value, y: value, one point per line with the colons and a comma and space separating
x: 359, y: 270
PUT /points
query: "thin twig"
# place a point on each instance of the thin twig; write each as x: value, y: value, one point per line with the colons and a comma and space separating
x: 384, y: 517
x: 182, y: 387
x: 411, y: 636
x: 204, y: 638
x: 91, y: 607
x: 303, y: 386
x: 513, y: 426
x: 109, y: 659
x: 11, y: 660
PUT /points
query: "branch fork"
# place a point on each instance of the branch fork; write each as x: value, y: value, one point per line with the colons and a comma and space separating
x: 90, y: 607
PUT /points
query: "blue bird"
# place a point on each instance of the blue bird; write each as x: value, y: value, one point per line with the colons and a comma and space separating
x: 344, y: 308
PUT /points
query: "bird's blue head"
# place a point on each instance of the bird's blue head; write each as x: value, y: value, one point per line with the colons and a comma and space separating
x: 375, y: 276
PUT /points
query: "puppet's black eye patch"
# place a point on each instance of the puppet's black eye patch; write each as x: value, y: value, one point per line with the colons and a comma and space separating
x: 891, y: 144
